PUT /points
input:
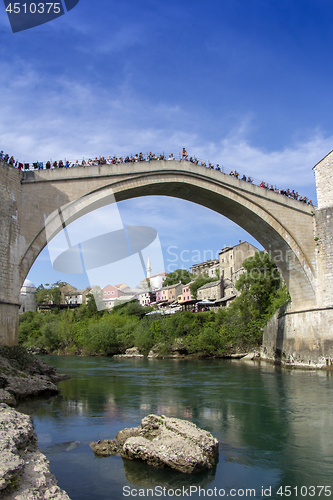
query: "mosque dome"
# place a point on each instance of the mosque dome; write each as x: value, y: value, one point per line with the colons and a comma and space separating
x: 29, y: 284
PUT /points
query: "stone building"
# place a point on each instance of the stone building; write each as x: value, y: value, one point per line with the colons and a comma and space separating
x: 232, y: 258
x: 185, y: 295
x: 208, y: 268
x: 65, y: 289
x: 77, y: 296
x: 154, y: 282
x: 28, y: 297
x: 169, y: 293
x: 210, y: 291
x: 146, y: 298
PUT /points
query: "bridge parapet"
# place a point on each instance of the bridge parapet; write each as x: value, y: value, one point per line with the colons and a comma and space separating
x: 148, y: 167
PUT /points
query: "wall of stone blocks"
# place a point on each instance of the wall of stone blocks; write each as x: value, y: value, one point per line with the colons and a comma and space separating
x: 324, y: 256
x: 10, y: 189
x: 324, y: 181
x: 304, y: 339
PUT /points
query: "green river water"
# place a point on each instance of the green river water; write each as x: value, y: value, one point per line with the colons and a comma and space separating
x: 274, y: 426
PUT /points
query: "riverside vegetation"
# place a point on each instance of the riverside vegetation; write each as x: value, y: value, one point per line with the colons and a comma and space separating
x: 237, y: 328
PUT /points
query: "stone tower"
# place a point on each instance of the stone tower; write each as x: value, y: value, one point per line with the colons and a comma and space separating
x: 148, y: 269
x: 324, y: 231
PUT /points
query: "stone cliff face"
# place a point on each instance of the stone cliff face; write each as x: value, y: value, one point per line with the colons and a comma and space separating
x: 24, y: 470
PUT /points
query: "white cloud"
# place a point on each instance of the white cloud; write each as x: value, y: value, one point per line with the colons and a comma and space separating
x: 69, y: 118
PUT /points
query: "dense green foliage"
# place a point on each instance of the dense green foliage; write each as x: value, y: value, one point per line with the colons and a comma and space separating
x: 259, y: 285
x: 49, y: 293
x: 179, y: 275
x: 86, y: 330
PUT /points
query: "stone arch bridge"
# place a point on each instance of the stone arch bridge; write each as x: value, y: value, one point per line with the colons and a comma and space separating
x: 287, y: 228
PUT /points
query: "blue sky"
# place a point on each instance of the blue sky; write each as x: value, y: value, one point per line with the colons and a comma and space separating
x: 246, y: 84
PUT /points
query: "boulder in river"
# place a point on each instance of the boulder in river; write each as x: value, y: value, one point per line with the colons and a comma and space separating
x: 105, y: 448
x: 168, y: 442
x: 132, y: 352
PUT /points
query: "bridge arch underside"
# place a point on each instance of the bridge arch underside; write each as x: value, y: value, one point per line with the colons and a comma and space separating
x: 254, y: 219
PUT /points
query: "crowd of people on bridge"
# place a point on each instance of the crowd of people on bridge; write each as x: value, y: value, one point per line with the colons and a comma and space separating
x: 116, y: 160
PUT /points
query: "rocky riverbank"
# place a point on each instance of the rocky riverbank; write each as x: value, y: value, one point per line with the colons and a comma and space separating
x: 23, y: 375
x: 179, y: 351
x: 24, y: 470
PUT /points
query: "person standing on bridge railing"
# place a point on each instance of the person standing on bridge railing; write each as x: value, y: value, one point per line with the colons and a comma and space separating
x: 184, y: 154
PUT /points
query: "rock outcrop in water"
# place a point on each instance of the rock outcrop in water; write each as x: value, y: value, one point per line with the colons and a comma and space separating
x: 164, y: 442
x: 24, y: 470
x: 23, y: 375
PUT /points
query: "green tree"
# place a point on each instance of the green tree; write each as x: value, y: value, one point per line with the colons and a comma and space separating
x: 130, y: 308
x: 50, y: 295
x: 42, y: 295
x: 259, y: 286
x: 94, y: 302
x: 180, y: 275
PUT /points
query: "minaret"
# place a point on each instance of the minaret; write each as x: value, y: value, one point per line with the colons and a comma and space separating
x: 148, y: 269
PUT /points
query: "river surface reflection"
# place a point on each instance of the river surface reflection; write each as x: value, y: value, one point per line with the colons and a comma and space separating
x: 275, y: 427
